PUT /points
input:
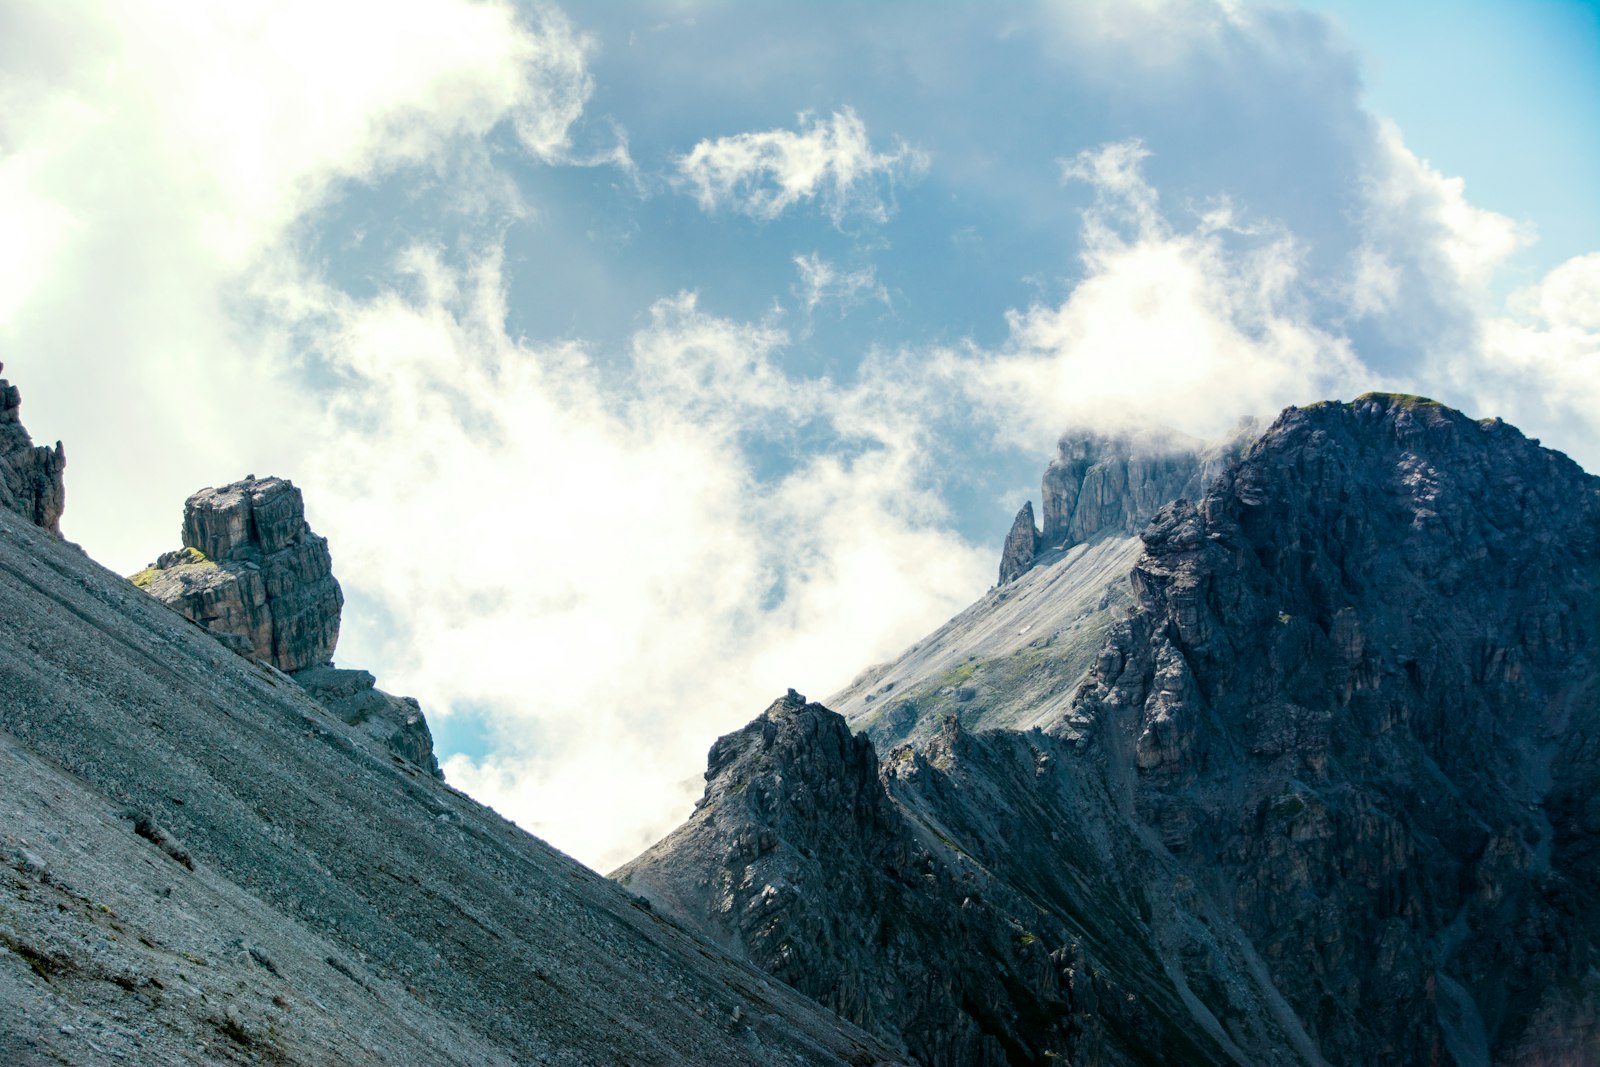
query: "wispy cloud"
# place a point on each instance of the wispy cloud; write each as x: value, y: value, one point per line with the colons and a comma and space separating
x: 830, y: 161
x: 821, y: 282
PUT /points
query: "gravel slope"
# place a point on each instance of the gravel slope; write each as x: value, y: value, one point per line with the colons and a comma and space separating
x: 200, y: 864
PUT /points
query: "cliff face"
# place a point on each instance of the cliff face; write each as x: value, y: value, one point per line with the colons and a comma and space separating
x: 1103, y: 483
x: 251, y: 567
x: 1326, y: 794
x: 1361, y: 694
x: 31, y: 478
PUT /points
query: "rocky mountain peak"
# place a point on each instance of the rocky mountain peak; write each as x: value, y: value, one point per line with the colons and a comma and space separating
x: 32, y: 480
x: 1109, y: 483
x: 1324, y: 793
x: 1371, y: 645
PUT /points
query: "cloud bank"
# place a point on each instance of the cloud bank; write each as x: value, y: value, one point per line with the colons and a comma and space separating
x: 303, y: 239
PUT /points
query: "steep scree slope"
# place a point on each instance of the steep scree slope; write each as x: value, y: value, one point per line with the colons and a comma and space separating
x: 200, y: 864
x: 1015, y: 657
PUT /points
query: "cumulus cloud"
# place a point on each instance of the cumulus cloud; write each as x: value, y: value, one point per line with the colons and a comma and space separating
x: 829, y: 160
x: 1425, y: 246
x: 1538, y: 363
x: 157, y: 163
x: 1188, y: 326
x: 596, y: 564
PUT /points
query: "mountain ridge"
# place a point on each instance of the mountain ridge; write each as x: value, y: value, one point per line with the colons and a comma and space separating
x: 1336, y: 762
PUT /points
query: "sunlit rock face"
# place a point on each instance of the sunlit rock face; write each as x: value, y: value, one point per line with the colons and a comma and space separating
x: 1021, y: 544
x: 251, y: 567
x: 31, y: 477
x: 1325, y: 794
x: 254, y: 574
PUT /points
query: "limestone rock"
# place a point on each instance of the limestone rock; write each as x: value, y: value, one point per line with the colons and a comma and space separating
x: 252, y: 567
x: 1021, y: 543
x: 31, y: 477
x: 252, y: 572
x: 395, y: 721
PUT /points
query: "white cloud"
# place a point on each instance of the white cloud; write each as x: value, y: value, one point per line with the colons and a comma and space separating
x: 597, y: 567
x: 830, y: 160
x: 1410, y: 202
x: 1538, y: 364
x: 1189, y: 328
x: 823, y: 282
x: 155, y: 164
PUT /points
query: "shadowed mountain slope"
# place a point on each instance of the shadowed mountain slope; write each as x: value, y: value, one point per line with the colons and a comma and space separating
x: 1324, y: 795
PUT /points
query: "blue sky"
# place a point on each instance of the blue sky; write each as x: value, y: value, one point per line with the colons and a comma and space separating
x: 641, y: 360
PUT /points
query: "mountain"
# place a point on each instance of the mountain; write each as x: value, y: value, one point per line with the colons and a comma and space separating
x: 202, y: 863
x: 1314, y: 783
x: 1015, y: 657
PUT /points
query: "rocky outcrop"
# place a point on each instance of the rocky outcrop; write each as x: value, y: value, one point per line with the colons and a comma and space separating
x: 397, y: 722
x: 1103, y: 484
x: 1326, y: 795
x: 1021, y: 543
x: 31, y: 477
x: 252, y: 573
x: 250, y: 566
x: 1100, y: 483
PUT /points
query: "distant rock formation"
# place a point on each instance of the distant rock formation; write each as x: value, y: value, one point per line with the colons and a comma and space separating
x: 1021, y: 543
x: 250, y: 566
x: 1109, y: 484
x: 31, y: 477
x: 1103, y: 482
x: 253, y: 573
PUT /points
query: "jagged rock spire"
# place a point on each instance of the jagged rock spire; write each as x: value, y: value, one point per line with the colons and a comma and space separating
x: 31, y: 477
x: 1021, y: 543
